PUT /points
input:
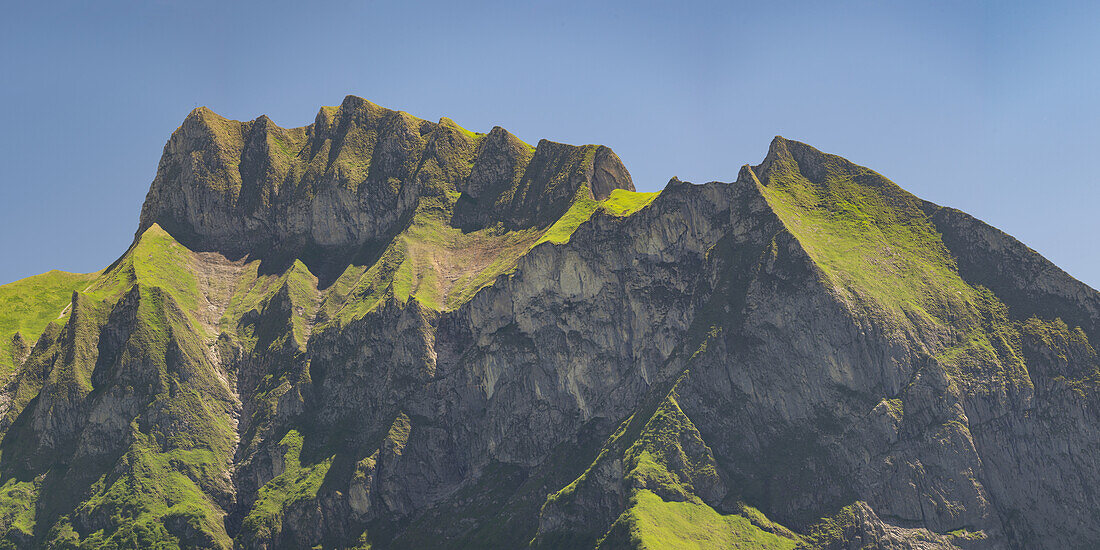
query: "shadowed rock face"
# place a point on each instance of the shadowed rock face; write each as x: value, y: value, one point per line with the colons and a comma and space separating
x: 535, y: 356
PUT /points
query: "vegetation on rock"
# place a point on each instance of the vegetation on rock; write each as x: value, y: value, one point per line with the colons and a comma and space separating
x: 382, y: 332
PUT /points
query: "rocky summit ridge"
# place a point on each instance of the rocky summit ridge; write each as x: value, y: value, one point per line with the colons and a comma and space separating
x: 354, y: 177
x: 377, y: 331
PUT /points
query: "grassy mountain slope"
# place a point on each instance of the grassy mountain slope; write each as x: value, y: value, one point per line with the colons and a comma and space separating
x: 27, y: 306
x: 160, y: 456
x: 877, y: 246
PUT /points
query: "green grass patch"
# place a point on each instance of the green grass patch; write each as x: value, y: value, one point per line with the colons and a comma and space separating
x: 156, y: 488
x: 621, y: 203
x: 624, y: 203
x: 17, y: 506
x: 652, y: 523
x: 968, y: 535
x: 470, y: 135
x: 298, y: 482
x: 581, y: 210
x: 833, y: 531
x: 658, y: 460
x: 155, y: 260
x: 437, y: 264
x: 73, y: 374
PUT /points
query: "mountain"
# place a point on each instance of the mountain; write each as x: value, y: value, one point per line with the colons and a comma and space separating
x: 381, y: 332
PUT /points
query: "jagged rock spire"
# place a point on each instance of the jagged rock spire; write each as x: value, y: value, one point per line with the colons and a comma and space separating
x: 354, y: 176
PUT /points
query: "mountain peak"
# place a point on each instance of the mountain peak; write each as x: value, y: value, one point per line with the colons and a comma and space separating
x: 354, y: 176
x: 788, y: 154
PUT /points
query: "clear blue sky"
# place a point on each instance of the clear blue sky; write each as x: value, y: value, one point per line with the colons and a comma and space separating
x: 990, y: 107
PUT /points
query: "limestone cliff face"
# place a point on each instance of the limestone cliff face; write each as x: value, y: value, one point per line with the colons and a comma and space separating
x: 354, y: 177
x: 523, y: 352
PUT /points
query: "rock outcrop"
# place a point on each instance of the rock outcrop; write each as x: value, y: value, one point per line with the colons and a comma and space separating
x: 354, y: 177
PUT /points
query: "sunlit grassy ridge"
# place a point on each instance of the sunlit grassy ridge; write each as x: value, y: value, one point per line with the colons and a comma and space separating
x: 620, y: 203
x: 869, y: 236
x: 433, y: 262
x: 156, y: 259
x: 624, y: 203
x: 161, y: 476
x: 876, y: 246
x: 253, y: 291
x: 443, y: 267
x: 665, y: 465
x: 652, y: 523
x: 28, y: 305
